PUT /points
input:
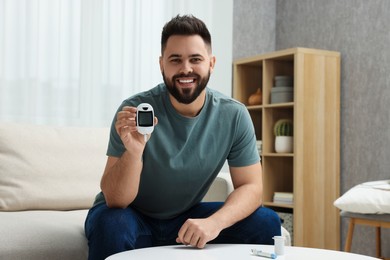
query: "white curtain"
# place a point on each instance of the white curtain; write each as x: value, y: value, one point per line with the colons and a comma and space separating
x: 72, y: 62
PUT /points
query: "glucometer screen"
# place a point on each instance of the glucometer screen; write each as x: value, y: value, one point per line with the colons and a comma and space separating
x: 145, y: 118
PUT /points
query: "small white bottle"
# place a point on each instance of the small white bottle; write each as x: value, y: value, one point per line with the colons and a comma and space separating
x: 279, y: 245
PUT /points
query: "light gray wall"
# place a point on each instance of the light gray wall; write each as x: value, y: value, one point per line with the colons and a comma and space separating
x: 253, y: 27
x: 360, y: 31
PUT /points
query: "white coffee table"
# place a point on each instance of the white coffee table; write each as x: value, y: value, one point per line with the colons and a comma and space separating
x: 233, y: 252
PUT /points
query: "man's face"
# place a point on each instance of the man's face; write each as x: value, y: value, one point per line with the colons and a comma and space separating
x: 186, y: 65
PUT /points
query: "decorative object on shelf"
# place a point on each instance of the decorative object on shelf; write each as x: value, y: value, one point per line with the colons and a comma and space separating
x: 283, y: 90
x: 284, y: 81
x: 283, y: 131
x: 283, y: 197
x: 256, y: 98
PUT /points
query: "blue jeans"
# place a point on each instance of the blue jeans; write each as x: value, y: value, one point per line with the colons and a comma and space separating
x: 110, y: 231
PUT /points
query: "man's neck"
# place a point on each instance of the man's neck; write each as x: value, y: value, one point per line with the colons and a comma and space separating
x: 189, y: 110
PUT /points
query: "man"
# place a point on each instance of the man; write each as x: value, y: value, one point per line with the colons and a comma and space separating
x: 152, y: 191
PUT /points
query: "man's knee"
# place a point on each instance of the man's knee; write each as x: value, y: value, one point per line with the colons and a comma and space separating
x: 267, y: 225
x: 268, y: 218
x: 111, y: 221
x: 110, y: 231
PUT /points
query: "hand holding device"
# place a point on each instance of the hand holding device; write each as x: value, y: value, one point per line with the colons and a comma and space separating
x: 145, y: 119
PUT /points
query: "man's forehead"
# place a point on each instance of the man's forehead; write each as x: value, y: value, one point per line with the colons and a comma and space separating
x: 187, y: 45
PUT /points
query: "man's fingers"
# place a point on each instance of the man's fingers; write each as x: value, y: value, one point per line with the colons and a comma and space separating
x: 201, y: 243
x: 187, y: 239
x: 125, y: 115
x: 126, y: 119
x: 189, y: 234
x: 195, y: 240
x: 129, y: 109
x: 182, y: 232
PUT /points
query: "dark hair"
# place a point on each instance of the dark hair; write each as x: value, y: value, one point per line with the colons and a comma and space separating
x: 185, y: 25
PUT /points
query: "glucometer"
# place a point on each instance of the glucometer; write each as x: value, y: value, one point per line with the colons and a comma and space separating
x: 145, y: 119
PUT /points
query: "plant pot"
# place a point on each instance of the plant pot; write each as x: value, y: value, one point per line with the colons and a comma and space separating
x: 284, y: 144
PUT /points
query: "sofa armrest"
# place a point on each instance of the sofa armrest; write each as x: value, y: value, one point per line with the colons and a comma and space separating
x: 220, y: 188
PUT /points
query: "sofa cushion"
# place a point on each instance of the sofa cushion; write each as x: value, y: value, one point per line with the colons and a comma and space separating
x: 46, y: 167
x: 41, y: 235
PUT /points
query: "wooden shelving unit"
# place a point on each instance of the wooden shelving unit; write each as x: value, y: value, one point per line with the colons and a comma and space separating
x: 312, y: 171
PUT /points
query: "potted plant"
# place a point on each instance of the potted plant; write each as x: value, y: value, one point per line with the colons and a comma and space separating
x: 283, y: 130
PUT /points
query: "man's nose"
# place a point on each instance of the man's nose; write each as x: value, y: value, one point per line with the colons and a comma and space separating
x: 186, y: 68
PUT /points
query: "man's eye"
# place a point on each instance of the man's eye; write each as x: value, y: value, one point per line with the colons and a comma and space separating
x: 175, y: 60
x: 196, y: 60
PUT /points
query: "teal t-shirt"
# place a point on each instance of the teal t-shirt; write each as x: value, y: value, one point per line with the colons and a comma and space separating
x: 184, y: 155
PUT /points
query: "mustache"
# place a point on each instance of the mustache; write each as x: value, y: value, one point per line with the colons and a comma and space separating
x: 182, y: 75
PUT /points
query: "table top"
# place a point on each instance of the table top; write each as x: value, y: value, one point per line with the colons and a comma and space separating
x: 233, y: 251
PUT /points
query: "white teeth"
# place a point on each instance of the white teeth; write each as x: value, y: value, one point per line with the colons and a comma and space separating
x: 185, y: 80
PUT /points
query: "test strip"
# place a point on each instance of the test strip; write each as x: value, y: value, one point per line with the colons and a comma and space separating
x: 263, y: 254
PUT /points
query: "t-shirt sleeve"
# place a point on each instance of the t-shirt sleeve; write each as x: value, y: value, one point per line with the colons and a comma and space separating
x: 244, y: 151
x: 115, y: 145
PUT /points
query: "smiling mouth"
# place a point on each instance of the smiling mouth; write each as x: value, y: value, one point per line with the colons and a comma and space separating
x: 186, y: 81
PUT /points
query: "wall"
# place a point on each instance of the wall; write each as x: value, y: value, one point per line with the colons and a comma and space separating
x: 360, y: 31
x: 253, y: 27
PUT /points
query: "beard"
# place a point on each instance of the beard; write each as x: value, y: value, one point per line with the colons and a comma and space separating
x: 186, y: 96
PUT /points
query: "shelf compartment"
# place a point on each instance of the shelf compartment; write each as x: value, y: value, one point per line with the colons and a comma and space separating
x: 257, y: 116
x: 276, y: 67
x: 271, y: 114
x: 249, y: 77
x: 278, y: 176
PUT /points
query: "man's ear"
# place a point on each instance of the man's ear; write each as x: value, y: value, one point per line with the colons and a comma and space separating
x: 161, y: 63
x: 212, y: 63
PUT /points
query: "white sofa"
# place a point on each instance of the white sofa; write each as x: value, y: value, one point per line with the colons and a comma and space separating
x: 49, y: 177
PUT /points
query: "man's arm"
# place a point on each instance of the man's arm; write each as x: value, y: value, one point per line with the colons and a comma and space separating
x: 243, y: 201
x: 121, y: 177
x: 120, y: 180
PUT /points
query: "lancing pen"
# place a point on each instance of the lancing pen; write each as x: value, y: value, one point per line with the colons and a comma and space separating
x: 263, y: 254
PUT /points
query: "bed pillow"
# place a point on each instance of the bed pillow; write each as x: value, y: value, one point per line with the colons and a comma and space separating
x: 366, y: 198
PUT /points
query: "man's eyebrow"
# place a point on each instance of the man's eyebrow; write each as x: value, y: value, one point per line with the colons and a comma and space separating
x: 174, y: 56
x: 196, y: 55
x: 180, y: 56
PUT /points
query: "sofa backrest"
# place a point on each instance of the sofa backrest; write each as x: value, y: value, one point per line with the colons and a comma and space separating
x: 51, y: 168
